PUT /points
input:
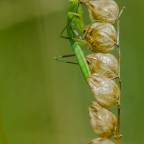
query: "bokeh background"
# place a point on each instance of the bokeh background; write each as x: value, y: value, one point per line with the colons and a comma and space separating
x: 44, y: 101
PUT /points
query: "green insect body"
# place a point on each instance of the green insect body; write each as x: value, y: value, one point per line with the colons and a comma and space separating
x: 75, y: 21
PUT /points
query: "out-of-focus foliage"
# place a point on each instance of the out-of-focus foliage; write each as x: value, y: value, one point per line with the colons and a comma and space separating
x: 44, y: 101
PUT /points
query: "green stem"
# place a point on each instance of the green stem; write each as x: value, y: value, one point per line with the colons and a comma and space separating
x: 119, y: 100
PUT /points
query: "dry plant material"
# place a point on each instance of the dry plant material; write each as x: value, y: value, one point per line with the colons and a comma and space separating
x: 103, y: 64
x: 102, y: 120
x: 101, y: 37
x: 103, y: 10
x: 105, y: 90
x: 100, y: 141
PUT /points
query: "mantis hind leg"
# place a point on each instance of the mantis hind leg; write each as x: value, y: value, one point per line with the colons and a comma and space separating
x: 79, y: 39
x: 61, y: 58
x: 73, y: 14
x: 70, y: 14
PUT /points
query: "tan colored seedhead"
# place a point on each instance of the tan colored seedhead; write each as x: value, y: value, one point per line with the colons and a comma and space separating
x: 105, y: 90
x: 103, y: 64
x: 100, y: 141
x: 103, y: 10
x: 101, y: 37
x: 102, y: 120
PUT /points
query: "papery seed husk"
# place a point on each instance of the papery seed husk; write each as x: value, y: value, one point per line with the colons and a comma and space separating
x: 103, y: 64
x: 101, y: 141
x: 103, y: 10
x: 102, y: 120
x: 101, y: 37
x: 105, y: 90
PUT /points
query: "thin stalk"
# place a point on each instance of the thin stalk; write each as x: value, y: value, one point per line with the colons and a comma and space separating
x: 119, y: 100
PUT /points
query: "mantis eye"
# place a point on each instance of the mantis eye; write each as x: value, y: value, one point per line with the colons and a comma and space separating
x: 103, y: 64
x: 103, y: 10
x: 100, y: 141
x: 105, y: 90
x: 102, y: 120
x: 101, y: 37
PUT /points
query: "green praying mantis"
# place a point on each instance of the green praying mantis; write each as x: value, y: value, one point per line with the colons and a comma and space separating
x: 75, y: 27
x: 75, y: 22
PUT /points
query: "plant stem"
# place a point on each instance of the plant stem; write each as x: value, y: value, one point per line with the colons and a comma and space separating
x: 118, y: 105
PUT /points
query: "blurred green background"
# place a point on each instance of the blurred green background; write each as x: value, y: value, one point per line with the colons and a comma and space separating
x: 44, y: 101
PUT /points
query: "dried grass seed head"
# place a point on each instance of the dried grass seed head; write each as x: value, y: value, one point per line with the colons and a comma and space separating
x: 100, y: 141
x: 102, y: 120
x: 103, y: 64
x: 105, y: 90
x: 101, y: 37
x: 103, y: 10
